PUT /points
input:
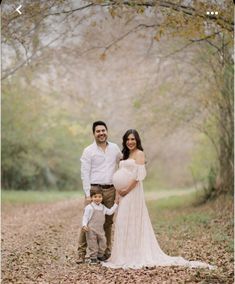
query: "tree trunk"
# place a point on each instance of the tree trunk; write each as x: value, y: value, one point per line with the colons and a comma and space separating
x: 225, y: 181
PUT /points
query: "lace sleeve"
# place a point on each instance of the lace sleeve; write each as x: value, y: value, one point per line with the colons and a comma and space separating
x: 140, y: 172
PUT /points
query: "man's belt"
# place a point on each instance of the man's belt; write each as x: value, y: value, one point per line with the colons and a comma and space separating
x: 104, y: 186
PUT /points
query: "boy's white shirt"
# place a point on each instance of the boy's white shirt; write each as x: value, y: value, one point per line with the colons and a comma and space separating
x: 89, y: 210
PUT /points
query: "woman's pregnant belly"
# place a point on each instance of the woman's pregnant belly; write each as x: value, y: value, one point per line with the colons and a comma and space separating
x: 122, y: 178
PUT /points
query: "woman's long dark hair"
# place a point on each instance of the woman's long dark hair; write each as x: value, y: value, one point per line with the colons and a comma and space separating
x: 125, y: 150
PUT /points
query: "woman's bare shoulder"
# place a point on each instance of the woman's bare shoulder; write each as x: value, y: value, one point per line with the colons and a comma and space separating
x: 140, y: 157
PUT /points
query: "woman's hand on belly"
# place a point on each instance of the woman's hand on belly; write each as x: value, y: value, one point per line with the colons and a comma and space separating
x: 123, y: 191
x: 127, y: 189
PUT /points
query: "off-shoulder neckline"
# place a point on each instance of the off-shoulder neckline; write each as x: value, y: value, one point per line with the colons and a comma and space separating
x: 134, y: 161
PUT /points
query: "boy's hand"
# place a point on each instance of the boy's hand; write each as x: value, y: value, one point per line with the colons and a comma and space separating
x: 85, y: 229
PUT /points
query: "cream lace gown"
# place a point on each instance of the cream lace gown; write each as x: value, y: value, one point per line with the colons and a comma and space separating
x: 135, y: 244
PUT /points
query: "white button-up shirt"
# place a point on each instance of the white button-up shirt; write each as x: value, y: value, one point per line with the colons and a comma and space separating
x: 98, y: 166
x: 90, y: 208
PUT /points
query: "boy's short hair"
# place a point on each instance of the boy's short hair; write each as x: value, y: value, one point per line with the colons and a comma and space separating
x: 94, y: 191
x: 99, y: 122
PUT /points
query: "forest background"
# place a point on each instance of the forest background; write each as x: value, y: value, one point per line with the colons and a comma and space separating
x: 164, y: 68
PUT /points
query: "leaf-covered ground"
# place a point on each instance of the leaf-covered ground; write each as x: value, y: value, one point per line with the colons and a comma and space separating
x: 39, y: 243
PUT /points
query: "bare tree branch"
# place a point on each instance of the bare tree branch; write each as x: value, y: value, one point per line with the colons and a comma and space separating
x: 135, y: 29
x: 71, y: 10
x: 211, y: 138
x: 9, y: 72
x: 188, y: 10
x: 115, y: 41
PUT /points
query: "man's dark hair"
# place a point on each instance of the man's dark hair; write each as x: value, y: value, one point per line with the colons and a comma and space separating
x: 99, y: 122
x: 94, y: 191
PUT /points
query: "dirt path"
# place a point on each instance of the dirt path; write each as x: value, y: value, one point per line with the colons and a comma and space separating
x: 39, y: 244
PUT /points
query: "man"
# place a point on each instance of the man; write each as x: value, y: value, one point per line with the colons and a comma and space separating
x: 98, y: 164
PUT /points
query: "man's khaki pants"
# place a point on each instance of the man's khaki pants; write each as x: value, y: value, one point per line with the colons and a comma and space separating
x: 108, y: 201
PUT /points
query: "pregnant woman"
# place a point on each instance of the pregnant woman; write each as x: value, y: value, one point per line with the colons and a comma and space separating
x: 135, y: 245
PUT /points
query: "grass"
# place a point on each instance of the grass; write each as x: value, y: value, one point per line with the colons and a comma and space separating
x: 27, y: 197
x: 196, y: 231
x: 173, y: 202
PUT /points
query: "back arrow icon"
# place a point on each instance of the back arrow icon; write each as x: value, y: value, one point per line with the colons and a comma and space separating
x: 18, y: 9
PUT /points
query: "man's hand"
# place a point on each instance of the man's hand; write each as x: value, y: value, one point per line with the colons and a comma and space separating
x: 85, y: 229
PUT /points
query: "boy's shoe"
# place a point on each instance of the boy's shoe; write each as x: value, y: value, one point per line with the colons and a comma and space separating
x: 103, y: 258
x: 107, y: 254
x: 93, y: 261
x: 81, y: 259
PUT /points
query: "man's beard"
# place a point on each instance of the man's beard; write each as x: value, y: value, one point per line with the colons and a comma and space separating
x: 102, y: 139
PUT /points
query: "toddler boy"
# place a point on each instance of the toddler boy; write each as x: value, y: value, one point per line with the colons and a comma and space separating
x: 93, y: 222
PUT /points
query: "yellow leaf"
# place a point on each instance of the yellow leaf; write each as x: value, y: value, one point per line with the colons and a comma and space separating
x: 103, y: 56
